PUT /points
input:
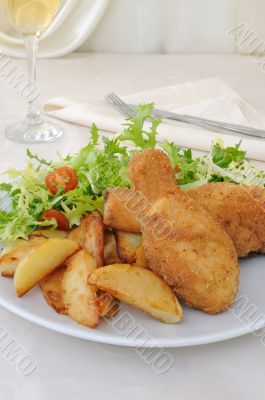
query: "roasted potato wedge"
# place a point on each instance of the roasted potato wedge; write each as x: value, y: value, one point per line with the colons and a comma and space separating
x: 78, y: 234
x: 130, y: 249
x: 90, y: 236
x: 79, y: 297
x: 141, y: 288
x: 42, y: 261
x: 49, y: 233
x: 127, y: 244
x: 51, y: 289
x: 13, y: 253
x: 108, y: 306
x: 110, y: 249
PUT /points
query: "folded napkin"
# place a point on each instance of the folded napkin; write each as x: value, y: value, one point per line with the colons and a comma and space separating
x: 208, y: 98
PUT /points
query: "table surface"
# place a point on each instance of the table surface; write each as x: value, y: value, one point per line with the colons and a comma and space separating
x: 73, y: 369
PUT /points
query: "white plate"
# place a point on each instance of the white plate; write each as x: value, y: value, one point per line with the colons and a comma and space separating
x: 196, y: 327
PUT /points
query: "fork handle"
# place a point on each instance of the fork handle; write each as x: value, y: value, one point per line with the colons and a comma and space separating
x: 212, y: 124
x: 217, y: 126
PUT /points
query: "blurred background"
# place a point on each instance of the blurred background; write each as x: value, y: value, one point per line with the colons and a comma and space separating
x: 143, y: 26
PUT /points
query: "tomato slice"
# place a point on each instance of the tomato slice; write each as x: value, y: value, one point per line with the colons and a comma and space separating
x: 64, y: 176
x: 61, y: 219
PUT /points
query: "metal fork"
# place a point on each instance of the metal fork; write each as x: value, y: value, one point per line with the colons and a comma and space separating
x: 129, y: 110
x: 120, y: 105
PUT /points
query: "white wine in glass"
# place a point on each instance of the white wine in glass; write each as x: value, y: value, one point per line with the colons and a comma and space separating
x: 30, y: 18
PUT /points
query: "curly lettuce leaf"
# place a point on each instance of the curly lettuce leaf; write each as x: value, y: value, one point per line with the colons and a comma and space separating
x: 135, y: 130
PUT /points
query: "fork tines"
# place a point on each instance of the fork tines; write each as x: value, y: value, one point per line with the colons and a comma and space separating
x: 120, y: 105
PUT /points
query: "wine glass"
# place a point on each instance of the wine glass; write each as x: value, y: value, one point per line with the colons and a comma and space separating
x: 30, y: 18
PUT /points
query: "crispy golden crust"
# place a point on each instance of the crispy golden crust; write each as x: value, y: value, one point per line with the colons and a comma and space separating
x: 125, y: 210
x: 257, y: 193
x: 151, y: 173
x: 182, y: 243
x: 197, y: 258
x: 237, y: 210
x: 120, y: 209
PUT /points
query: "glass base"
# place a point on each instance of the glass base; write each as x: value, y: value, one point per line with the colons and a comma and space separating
x: 44, y: 131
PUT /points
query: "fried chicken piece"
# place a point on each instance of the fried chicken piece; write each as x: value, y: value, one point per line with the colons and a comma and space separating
x: 258, y: 193
x: 237, y: 210
x: 120, y: 209
x: 182, y: 243
x: 152, y: 174
x: 125, y: 208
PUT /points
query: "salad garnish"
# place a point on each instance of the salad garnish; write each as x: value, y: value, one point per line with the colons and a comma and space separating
x: 57, y: 194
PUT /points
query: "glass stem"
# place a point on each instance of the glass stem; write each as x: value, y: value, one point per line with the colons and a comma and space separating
x: 31, y: 44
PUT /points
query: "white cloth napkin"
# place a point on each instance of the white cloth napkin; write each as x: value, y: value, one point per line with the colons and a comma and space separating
x: 209, y: 98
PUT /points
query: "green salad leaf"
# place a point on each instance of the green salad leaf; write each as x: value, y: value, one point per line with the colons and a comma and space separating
x: 103, y: 164
x: 223, y: 156
x: 135, y: 130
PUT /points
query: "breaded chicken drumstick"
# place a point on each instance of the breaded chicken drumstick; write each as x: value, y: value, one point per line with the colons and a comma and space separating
x: 193, y: 254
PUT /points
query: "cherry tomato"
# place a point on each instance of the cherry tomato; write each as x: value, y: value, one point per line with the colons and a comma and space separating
x: 61, y: 219
x: 64, y: 176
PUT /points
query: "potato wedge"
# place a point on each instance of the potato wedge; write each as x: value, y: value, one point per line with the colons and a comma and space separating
x: 141, y: 288
x: 49, y: 233
x: 77, y: 235
x: 130, y: 249
x: 42, y: 261
x: 110, y: 249
x: 79, y: 297
x: 13, y: 253
x: 51, y: 289
x: 127, y: 244
x: 90, y: 236
x: 108, y: 305
x: 94, y: 239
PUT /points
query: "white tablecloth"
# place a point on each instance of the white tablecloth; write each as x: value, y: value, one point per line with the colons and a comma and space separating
x: 73, y: 369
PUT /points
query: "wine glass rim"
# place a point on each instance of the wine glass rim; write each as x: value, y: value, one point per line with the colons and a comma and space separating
x: 64, y: 9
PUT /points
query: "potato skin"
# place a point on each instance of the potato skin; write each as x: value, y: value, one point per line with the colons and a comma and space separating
x: 110, y: 250
x: 89, y: 235
x: 52, y: 291
x: 141, y: 288
x: 79, y: 297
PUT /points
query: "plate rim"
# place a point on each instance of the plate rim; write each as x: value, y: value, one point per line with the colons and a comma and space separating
x: 92, y: 336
